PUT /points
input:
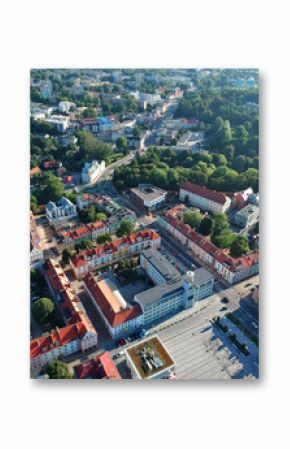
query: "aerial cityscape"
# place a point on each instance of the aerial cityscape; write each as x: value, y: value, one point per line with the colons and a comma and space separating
x: 144, y: 224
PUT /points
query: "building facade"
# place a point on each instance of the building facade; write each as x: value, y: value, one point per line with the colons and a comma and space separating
x: 112, y: 252
x: 202, y: 198
x: 92, y: 170
x: 64, y: 209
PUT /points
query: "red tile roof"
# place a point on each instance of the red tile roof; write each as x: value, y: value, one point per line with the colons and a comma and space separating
x: 212, y: 195
x: 238, y: 264
x: 114, y: 246
x: 56, y: 338
x: 99, y: 367
x: 69, y: 300
x: 114, y: 318
x: 35, y: 171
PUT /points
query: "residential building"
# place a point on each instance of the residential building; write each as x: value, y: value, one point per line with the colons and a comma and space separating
x: 247, y: 216
x: 78, y: 333
x: 92, y: 170
x: 97, y: 367
x: 164, y: 300
x: 92, y: 231
x: 203, y: 198
x: 150, y: 98
x: 119, y: 317
x: 150, y: 359
x: 111, y: 252
x: 51, y: 165
x: 232, y: 270
x: 60, y: 122
x: 45, y: 88
x: 117, y: 76
x: 35, y: 171
x: 65, y: 106
x: 60, y: 342
x: 148, y: 197
x: 36, y: 252
x: 64, y: 209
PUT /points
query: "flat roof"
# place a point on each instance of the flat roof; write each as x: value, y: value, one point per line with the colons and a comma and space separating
x: 201, y: 276
x: 148, y: 192
x: 149, y: 357
x: 165, y: 268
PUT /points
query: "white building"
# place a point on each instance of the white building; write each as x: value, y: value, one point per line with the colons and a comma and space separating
x: 202, y: 198
x: 60, y: 122
x: 65, y: 106
x: 92, y: 170
x: 64, y: 209
x: 150, y: 98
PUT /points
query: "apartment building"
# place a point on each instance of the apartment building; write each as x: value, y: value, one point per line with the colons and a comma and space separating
x: 232, y: 270
x: 111, y: 252
x: 92, y: 170
x: 203, y: 198
x: 60, y: 342
x: 63, y: 209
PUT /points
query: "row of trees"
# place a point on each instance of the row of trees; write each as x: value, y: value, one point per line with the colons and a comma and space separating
x: 217, y: 227
x: 168, y: 170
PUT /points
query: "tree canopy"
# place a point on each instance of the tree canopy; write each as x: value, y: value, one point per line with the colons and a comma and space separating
x: 126, y: 228
x: 58, y: 370
x: 43, y: 310
x: 239, y: 247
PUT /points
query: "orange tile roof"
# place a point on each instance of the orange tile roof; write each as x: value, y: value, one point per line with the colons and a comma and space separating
x: 114, y: 246
x: 100, y: 295
x: 58, y: 337
x: 35, y: 171
x: 101, y: 366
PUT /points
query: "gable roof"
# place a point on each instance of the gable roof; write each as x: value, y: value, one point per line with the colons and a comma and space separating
x: 101, y: 295
x: 56, y: 338
x: 99, y: 367
x: 212, y: 195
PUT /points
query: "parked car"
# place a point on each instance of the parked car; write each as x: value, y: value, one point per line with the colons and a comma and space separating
x: 121, y: 342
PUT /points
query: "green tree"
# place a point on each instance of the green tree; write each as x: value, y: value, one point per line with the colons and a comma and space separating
x: 89, y: 113
x: 67, y: 254
x: 192, y: 218
x: 206, y: 226
x: 85, y: 244
x: 104, y: 238
x: 101, y: 216
x: 220, y: 222
x: 58, y: 370
x: 126, y: 227
x: 225, y: 239
x: 121, y: 143
x: 53, y: 188
x: 43, y: 310
x: 239, y: 247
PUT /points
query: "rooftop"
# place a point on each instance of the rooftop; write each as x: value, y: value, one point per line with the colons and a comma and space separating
x: 212, y: 195
x: 150, y: 357
x: 165, y: 268
x: 98, y: 367
x: 148, y: 192
x: 111, y: 302
x: 201, y: 276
